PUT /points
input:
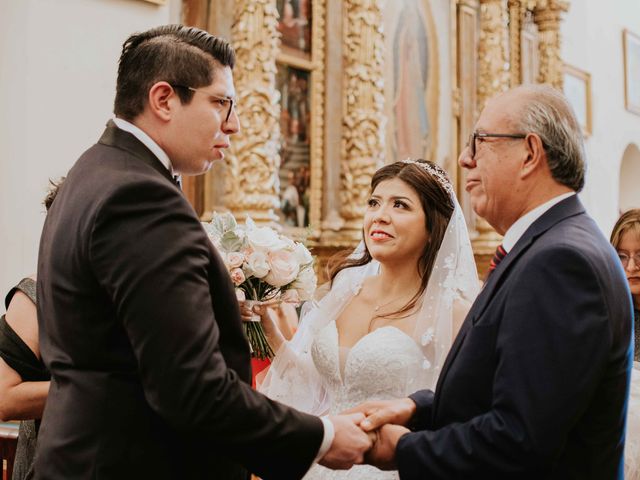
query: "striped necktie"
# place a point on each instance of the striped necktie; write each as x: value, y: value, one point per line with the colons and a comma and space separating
x: 497, y: 258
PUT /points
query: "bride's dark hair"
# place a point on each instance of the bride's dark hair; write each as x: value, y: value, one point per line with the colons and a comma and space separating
x: 437, y: 205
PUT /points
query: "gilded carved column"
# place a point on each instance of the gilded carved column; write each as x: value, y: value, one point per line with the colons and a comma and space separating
x: 547, y: 16
x: 515, y: 26
x: 253, y: 160
x: 493, y: 50
x: 494, y: 77
x: 363, y: 121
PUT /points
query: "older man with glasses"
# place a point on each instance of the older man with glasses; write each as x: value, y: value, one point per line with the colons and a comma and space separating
x: 535, y: 385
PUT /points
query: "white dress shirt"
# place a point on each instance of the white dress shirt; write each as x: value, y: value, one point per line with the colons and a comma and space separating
x: 521, y: 225
x: 147, y: 141
x: 329, y: 430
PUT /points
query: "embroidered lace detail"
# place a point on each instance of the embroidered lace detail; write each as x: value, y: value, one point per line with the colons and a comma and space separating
x: 380, y: 366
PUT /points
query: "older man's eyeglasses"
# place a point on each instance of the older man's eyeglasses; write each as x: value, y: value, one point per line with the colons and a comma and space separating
x: 226, y: 103
x: 625, y: 259
x: 471, y: 143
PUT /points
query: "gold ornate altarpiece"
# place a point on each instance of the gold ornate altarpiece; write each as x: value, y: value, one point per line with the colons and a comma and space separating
x: 493, y: 45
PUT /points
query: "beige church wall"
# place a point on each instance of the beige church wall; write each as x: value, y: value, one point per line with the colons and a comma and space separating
x: 592, y: 41
x: 58, y: 64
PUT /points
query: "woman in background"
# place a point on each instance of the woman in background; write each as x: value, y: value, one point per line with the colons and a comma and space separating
x: 24, y: 380
x: 625, y: 238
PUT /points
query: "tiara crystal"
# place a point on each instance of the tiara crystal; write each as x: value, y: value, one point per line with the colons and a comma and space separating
x: 439, y: 175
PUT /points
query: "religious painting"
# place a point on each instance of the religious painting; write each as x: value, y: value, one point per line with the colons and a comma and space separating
x: 294, y: 26
x: 577, y: 88
x: 631, y: 44
x: 411, y: 80
x: 295, y: 118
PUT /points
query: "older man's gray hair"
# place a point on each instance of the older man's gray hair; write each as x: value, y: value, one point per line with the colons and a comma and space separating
x: 547, y: 112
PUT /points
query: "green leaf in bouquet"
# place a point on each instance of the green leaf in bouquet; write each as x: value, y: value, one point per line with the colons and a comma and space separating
x: 232, y: 241
x: 222, y: 223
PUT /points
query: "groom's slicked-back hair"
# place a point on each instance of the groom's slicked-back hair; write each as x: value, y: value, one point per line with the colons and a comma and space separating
x: 176, y: 54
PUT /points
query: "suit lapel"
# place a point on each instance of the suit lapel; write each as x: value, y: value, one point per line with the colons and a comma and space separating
x: 566, y: 208
x: 115, y: 137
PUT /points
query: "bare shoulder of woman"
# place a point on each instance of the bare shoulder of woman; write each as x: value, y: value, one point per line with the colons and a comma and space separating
x: 22, y: 317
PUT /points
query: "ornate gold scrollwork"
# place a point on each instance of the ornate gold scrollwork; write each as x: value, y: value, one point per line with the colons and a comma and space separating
x: 494, y: 78
x: 250, y: 180
x: 547, y: 15
x: 493, y: 51
x: 318, y: 29
x: 363, y: 121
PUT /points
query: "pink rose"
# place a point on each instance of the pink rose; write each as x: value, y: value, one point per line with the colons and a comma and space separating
x: 234, y: 260
x: 237, y: 276
x: 284, y: 268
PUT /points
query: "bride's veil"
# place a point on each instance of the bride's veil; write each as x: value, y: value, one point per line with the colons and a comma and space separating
x: 452, y: 287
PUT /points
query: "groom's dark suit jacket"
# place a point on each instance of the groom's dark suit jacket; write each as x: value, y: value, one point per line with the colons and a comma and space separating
x: 141, y: 331
x: 535, y: 385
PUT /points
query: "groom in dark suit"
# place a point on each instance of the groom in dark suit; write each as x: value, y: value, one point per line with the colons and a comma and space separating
x: 536, y: 383
x: 139, y: 323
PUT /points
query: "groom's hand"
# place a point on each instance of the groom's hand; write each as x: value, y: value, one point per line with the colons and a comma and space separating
x: 379, y: 413
x: 383, y: 453
x: 349, y: 443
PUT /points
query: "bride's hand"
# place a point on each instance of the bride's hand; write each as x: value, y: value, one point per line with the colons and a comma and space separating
x: 245, y: 312
x: 269, y: 322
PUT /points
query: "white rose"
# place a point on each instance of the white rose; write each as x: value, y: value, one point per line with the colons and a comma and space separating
x: 240, y: 296
x: 302, y: 254
x: 257, y: 265
x: 284, y: 268
x: 234, y: 260
x: 306, y: 283
x: 264, y: 239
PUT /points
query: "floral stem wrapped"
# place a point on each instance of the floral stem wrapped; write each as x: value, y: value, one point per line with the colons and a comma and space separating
x: 263, y: 265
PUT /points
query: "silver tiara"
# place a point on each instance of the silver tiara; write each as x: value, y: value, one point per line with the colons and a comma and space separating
x: 434, y: 172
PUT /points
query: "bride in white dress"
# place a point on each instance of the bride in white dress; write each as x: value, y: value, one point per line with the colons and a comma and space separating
x: 388, y: 321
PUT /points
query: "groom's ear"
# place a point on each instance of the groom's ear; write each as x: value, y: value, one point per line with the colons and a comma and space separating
x: 162, y: 101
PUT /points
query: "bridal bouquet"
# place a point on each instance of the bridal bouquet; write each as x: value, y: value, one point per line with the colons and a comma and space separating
x: 263, y: 266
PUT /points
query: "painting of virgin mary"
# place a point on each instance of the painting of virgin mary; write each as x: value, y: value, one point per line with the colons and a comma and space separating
x: 409, y: 52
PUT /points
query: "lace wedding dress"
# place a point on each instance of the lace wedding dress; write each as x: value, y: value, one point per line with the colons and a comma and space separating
x: 380, y: 366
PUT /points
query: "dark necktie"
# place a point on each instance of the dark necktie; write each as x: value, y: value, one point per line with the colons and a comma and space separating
x: 497, y: 258
x: 178, y: 181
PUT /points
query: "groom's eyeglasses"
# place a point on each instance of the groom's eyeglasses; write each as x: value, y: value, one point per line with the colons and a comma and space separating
x: 471, y: 143
x: 625, y: 259
x: 224, y: 102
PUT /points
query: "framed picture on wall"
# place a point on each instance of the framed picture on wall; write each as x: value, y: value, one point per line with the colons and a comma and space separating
x: 294, y: 26
x: 631, y: 48
x: 577, y: 89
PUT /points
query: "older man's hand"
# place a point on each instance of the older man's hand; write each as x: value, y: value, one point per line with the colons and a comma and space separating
x: 383, y: 453
x: 379, y: 413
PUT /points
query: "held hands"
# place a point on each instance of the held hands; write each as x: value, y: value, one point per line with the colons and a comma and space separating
x: 386, y: 420
x: 350, y: 442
